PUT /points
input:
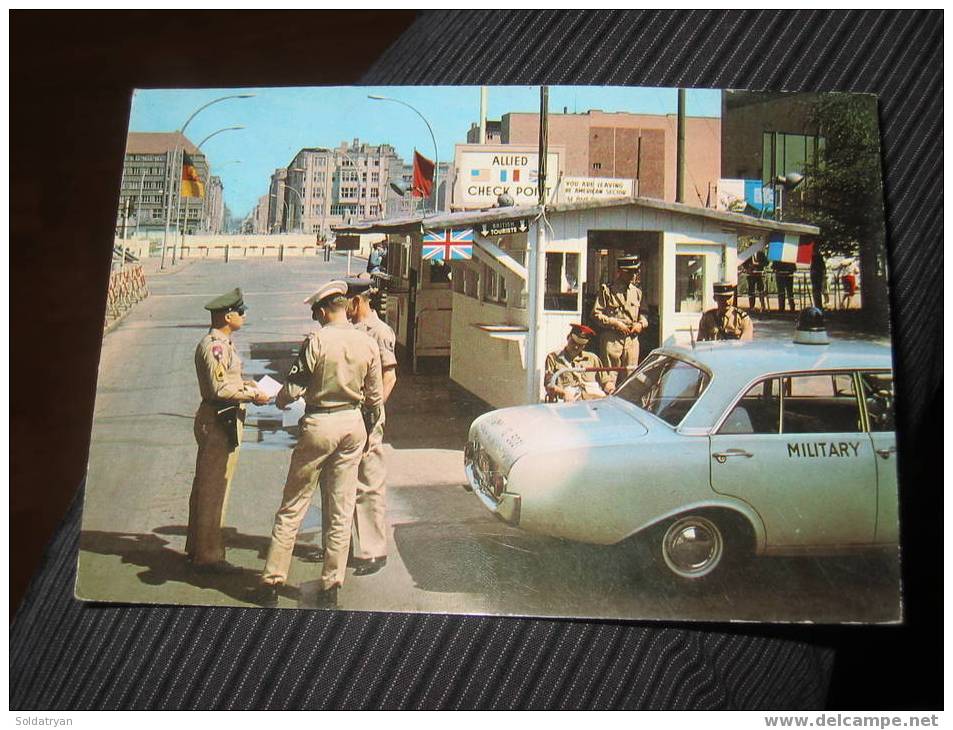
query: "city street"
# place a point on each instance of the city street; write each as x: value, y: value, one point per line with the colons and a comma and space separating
x: 447, y: 553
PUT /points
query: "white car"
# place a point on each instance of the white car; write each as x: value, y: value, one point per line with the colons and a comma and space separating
x: 722, y: 450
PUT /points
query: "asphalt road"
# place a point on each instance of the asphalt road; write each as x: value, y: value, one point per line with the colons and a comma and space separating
x: 447, y: 553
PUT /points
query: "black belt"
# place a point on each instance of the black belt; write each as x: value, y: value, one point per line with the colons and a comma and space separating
x: 310, y: 410
x: 220, y: 403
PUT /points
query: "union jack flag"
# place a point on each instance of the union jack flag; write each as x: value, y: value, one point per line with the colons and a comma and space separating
x: 448, y: 245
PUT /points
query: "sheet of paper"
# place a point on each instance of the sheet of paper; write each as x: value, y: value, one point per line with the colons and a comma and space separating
x: 269, y: 386
x: 292, y: 414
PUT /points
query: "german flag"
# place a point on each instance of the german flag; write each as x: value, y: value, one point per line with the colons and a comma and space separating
x: 192, y: 185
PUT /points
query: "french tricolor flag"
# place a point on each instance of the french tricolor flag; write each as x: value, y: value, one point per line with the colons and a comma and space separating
x: 789, y: 248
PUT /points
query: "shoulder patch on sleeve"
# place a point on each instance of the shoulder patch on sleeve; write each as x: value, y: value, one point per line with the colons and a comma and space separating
x: 217, y: 351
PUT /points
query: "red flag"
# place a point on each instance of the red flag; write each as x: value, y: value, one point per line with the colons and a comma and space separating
x: 423, y: 176
x: 805, y: 252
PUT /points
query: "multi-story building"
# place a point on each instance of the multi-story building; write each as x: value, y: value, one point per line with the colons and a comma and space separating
x: 214, y: 206
x: 148, y: 174
x: 277, y: 212
x: 258, y: 220
x: 638, y: 147
x: 324, y: 186
x: 494, y: 132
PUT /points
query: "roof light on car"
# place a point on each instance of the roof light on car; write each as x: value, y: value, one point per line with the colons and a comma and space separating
x: 811, y: 328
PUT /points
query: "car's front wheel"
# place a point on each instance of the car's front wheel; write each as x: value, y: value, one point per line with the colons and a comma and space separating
x: 693, y: 546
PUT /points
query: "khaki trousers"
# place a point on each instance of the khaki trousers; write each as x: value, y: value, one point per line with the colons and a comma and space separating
x: 214, y: 468
x: 329, y: 443
x: 619, y: 351
x: 370, y: 512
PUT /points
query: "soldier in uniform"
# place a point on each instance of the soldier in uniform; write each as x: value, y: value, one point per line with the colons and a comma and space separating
x: 784, y: 276
x: 726, y: 321
x: 754, y: 268
x: 617, y: 313
x: 218, y: 431
x: 572, y: 386
x: 338, y: 373
x: 369, y: 533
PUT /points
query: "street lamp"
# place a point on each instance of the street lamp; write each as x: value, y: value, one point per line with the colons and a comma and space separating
x: 175, y: 157
x: 178, y: 202
x: 436, y: 162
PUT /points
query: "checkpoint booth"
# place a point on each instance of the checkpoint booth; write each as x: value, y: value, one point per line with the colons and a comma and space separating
x: 470, y: 308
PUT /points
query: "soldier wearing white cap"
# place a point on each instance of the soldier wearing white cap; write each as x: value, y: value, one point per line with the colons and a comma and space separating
x: 218, y: 431
x: 338, y: 372
x: 725, y: 321
x: 617, y: 314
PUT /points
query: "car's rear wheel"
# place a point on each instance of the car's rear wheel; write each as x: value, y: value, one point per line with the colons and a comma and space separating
x: 693, y: 546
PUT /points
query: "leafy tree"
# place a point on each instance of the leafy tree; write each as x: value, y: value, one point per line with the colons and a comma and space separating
x: 843, y: 193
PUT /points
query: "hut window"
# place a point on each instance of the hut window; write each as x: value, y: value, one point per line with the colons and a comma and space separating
x: 562, y: 282
x: 689, y: 282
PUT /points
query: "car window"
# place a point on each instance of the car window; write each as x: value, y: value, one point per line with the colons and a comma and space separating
x: 666, y: 387
x: 821, y: 403
x: 758, y: 410
x: 878, y: 394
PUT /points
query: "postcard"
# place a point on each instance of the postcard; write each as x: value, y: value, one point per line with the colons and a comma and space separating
x: 604, y: 352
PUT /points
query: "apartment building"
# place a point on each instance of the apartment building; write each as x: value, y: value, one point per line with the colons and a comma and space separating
x: 325, y: 186
x: 146, y: 178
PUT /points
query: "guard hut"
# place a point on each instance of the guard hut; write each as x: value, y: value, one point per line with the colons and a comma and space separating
x: 474, y: 310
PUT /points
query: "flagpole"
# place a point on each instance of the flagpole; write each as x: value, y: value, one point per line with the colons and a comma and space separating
x: 436, y: 153
x: 181, y: 133
x: 536, y: 260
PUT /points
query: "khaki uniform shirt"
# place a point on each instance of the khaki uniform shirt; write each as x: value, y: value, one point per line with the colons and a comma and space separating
x: 556, y: 361
x: 383, y: 335
x: 734, y: 324
x: 618, y: 304
x: 219, y: 370
x: 338, y: 365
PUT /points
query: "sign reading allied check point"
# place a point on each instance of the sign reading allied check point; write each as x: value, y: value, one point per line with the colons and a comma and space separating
x: 448, y: 245
x: 503, y: 228
x: 579, y: 189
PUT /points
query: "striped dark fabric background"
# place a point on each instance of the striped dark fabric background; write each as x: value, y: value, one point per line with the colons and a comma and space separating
x: 65, y: 654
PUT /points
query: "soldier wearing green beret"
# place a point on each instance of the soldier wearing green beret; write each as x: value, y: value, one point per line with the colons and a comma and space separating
x: 218, y: 431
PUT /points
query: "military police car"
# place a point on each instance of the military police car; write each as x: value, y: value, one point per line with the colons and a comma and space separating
x: 711, y: 452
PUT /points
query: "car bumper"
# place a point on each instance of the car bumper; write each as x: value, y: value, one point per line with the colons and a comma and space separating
x: 507, y: 508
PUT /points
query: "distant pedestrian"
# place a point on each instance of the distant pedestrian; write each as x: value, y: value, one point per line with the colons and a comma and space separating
x: 849, y: 283
x: 218, y: 431
x: 376, y: 259
x: 818, y: 277
x: 784, y: 277
x: 753, y: 269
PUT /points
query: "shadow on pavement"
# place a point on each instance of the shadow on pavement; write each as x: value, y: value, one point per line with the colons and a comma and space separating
x: 522, y: 573
x: 164, y: 565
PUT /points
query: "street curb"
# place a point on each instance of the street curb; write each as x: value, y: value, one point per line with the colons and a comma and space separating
x: 118, y: 321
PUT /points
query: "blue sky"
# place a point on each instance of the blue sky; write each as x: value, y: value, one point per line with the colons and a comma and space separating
x: 280, y: 121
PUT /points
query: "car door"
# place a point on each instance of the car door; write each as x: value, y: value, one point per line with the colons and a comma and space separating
x: 794, y: 447
x: 878, y: 400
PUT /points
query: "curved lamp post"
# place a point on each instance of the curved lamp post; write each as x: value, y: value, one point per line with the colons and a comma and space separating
x: 178, y: 202
x: 176, y: 168
x: 436, y: 162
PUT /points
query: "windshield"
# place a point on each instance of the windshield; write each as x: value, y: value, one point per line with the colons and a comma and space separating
x: 666, y: 387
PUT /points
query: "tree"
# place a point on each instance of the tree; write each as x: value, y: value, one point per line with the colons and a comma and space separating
x: 843, y: 192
